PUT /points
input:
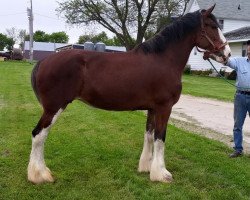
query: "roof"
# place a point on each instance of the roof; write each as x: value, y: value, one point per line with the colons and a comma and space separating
x: 43, y: 46
x: 226, y: 9
x: 241, y: 34
x: 80, y: 46
x: 115, y: 48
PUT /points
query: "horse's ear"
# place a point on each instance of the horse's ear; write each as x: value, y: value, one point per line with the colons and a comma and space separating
x: 209, y: 11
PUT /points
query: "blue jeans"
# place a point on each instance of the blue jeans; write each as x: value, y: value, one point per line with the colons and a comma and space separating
x: 241, y: 107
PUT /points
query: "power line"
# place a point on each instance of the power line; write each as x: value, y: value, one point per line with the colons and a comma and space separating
x: 21, y: 13
x: 48, y: 16
x: 13, y: 14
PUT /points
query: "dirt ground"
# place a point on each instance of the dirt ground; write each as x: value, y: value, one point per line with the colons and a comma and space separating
x: 211, y: 118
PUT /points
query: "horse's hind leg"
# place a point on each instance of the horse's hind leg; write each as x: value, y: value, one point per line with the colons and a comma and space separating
x: 37, y: 170
x: 147, y: 152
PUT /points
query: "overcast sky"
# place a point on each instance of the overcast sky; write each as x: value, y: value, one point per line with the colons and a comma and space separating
x: 13, y: 13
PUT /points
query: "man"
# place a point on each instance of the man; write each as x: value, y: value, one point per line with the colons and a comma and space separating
x: 242, y: 97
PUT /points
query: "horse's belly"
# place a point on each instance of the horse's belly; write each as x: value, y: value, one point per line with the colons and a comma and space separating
x: 115, y: 100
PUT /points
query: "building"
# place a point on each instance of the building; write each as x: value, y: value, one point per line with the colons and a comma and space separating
x: 234, y: 19
x: 40, y: 49
x: 43, y: 49
x: 93, y: 47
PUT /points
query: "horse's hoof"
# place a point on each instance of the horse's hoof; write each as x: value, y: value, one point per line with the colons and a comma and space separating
x: 161, y: 176
x: 144, y: 165
x: 39, y: 176
x: 167, y: 178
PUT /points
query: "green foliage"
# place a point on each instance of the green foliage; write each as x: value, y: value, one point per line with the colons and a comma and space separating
x: 94, y: 153
x: 232, y: 75
x: 6, y: 42
x: 202, y: 72
x: 58, y: 37
x: 41, y: 36
x: 187, y: 69
x: 101, y: 37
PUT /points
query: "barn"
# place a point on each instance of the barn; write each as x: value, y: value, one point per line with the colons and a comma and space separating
x: 43, y: 49
x: 40, y: 49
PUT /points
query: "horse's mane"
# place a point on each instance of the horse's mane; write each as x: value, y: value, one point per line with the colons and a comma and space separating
x: 173, y: 32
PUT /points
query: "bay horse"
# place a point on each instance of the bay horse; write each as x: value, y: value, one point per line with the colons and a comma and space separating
x: 145, y: 78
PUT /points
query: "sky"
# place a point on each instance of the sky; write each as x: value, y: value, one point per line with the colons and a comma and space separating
x: 13, y: 13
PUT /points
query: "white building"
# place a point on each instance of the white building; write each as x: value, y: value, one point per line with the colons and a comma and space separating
x: 234, y: 19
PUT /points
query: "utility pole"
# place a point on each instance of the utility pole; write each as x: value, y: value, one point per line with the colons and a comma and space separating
x: 31, y: 18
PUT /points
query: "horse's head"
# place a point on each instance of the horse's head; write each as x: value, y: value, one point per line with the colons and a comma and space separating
x: 211, y: 38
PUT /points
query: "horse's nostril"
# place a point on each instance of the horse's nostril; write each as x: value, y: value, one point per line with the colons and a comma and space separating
x: 229, y: 54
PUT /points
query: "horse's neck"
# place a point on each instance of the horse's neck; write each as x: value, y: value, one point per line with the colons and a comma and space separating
x: 181, y: 51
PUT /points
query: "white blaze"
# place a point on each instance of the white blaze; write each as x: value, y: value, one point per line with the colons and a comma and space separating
x: 227, y: 49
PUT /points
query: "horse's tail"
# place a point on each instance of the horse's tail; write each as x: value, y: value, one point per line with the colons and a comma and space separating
x: 33, y: 79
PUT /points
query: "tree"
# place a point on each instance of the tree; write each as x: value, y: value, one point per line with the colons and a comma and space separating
x: 84, y: 38
x: 17, y: 35
x: 101, y: 37
x: 59, y: 37
x: 6, y: 42
x: 129, y: 20
x: 41, y: 36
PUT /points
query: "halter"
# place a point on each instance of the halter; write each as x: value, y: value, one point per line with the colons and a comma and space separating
x: 216, y: 48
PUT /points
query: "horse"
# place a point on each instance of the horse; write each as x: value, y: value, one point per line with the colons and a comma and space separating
x: 147, y: 77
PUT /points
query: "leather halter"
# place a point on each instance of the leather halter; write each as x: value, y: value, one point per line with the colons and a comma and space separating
x: 216, y: 48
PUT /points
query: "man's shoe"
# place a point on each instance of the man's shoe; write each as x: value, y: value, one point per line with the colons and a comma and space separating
x: 236, y: 154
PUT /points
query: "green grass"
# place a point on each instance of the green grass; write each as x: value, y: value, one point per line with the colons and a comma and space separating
x: 94, y: 154
x: 210, y: 87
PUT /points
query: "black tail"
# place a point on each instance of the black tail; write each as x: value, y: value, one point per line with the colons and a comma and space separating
x: 33, y: 79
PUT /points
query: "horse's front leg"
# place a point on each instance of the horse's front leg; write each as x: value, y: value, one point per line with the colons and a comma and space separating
x: 158, y: 171
x: 147, y: 152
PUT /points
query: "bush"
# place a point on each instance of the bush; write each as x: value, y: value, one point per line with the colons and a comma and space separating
x: 231, y: 76
x: 202, y: 72
x: 17, y: 54
x: 222, y: 72
x: 187, y: 69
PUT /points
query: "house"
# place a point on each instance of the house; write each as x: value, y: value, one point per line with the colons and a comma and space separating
x: 40, y: 49
x: 234, y: 19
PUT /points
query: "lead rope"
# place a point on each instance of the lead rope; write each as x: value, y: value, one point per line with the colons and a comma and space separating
x: 224, y: 77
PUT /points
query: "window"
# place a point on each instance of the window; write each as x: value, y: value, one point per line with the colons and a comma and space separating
x: 221, y: 24
x: 195, y: 51
x: 244, y: 49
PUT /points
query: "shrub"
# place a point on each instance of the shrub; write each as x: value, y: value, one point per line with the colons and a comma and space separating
x: 231, y: 76
x: 202, y: 72
x: 187, y: 69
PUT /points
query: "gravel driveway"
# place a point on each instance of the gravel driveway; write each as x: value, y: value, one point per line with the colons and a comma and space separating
x: 211, y: 118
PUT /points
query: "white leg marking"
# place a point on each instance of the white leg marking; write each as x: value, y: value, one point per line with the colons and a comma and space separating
x: 56, y: 116
x: 158, y: 171
x: 37, y: 170
x: 147, y: 153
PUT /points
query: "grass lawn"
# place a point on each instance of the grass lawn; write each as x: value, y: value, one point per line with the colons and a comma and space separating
x: 94, y: 154
x: 209, y: 87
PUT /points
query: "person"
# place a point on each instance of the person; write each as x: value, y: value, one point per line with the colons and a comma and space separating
x: 242, y: 97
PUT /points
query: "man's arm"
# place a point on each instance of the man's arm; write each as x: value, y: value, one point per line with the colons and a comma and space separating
x: 230, y: 62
